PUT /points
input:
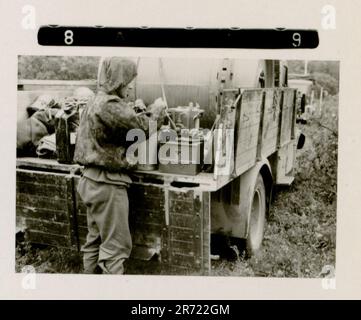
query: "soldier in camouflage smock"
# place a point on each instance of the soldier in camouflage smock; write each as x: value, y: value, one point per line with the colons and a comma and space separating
x: 101, y: 147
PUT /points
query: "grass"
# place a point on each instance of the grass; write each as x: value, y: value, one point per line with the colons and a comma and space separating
x: 300, y: 237
x: 46, y: 259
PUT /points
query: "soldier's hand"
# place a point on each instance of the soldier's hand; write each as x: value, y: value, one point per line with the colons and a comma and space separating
x: 139, y: 105
x: 157, y: 108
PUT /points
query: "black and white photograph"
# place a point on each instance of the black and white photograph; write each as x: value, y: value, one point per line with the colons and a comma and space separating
x: 183, y: 166
x: 180, y: 155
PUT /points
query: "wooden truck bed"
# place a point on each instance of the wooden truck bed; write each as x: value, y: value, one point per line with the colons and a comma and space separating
x: 168, y: 222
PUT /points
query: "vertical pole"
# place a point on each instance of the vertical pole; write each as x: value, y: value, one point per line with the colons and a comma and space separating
x: 320, y: 104
x: 71, y: 206
x: 261, y: 126
x: 206, y: 241
x: 294, y: 112
x: 312, y: 97
x: 165, y: 234
x: 279, y: 142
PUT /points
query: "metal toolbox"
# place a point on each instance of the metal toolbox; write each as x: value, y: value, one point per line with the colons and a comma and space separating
x: 183, y: 156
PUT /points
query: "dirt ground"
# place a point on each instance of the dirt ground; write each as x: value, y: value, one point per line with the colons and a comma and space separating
x: 300, y: 237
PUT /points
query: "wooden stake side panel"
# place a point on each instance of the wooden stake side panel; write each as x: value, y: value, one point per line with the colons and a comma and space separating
x: 186, y: 248
x: 248, y: 128
x: 44, y: 207
x: 265, y: 123
x: 81, y: 214
x: 286, y: 151
x: 224, y: 136
x: 146, y: 219
x: 285, y: 164
x: 287, y: 116
x: 182, y: 245
x: 206, y: 226
x: 271, y: 121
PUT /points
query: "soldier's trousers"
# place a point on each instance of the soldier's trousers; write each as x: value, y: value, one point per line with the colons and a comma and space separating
x: 108, y: 243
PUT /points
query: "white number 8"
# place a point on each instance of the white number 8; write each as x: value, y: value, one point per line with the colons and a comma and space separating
x: 296, y: 37
x: 68, y: 37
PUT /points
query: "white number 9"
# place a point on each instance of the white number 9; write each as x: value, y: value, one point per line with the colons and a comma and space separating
x: 296, y: 37
x: 68, y: 37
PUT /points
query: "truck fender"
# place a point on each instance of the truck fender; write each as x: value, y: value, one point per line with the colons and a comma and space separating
x: 232, y: 218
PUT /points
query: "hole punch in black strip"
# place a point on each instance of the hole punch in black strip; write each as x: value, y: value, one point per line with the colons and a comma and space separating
x: 189, y: 37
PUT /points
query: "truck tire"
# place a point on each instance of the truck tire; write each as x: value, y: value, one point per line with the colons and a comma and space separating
x: 257, y: 217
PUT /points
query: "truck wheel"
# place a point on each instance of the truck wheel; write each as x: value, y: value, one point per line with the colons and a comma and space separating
x: 257, y: 217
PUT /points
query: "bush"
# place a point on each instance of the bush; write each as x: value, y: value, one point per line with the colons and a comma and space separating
x: 323, y: 156
x: 325, y: 74
x: 57, y: 68
x: 328, y: 82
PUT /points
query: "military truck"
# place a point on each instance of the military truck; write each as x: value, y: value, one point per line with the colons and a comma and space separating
x: 250, y: 114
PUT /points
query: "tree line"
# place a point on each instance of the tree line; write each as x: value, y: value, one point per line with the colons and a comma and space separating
x: 325, y: 73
